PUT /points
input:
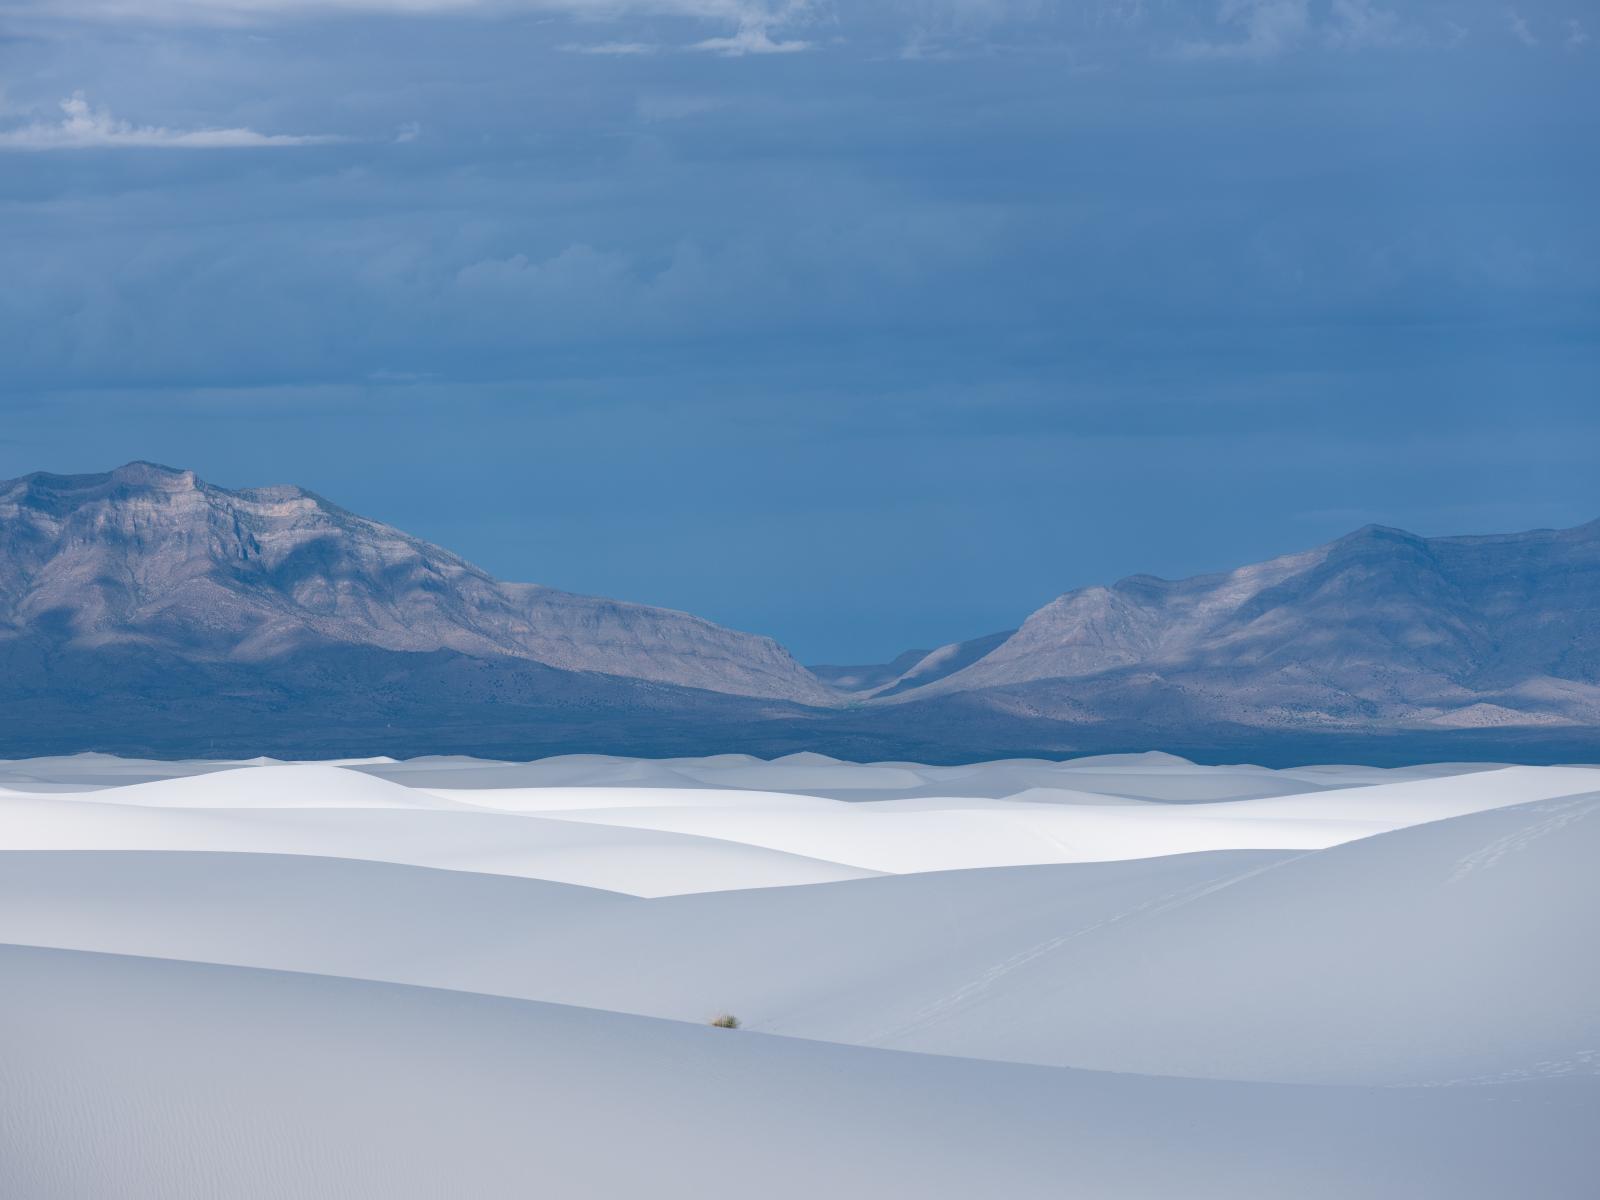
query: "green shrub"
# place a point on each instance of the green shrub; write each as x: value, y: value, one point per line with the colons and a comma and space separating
x: 725, y: 1021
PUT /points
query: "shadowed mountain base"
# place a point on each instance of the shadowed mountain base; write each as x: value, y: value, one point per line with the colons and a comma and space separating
x: 352, y: 701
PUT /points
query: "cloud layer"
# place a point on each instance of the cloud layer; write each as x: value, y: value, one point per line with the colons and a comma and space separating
x: 82, y: 127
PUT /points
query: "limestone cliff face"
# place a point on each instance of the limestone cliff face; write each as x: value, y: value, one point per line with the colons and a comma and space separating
x: 1378, y: 626
x: 154, y: 557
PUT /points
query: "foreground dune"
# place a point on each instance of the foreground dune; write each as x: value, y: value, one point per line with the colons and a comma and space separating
x: 149, y: 1079
x: 843, y: 962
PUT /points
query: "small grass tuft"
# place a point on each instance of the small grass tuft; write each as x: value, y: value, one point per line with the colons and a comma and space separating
x: 725, y: 1021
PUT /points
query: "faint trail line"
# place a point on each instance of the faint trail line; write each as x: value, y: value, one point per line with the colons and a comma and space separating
x: 1582, y: 1062
x: 1563, y: 812
x: 973, y: 990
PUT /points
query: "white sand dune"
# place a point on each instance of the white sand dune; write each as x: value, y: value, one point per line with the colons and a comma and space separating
x: 638, y: 861
x: 153, y: 1080
x: 1317, y: 933
x: 87, y: 772
x: 843, y: 962
x: 1452, y: 950
x: 660, y: 840
x: 270, y: 785
x: 1439, y: 953
x: 1138, y: 776
x: 546, y: 801
x: 979, y: 833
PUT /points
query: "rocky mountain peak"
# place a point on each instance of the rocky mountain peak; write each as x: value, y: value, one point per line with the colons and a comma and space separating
x: 1380, y: 621
x: 149, y: 555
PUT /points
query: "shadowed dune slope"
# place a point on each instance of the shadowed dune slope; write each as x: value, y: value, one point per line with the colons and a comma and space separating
x: 179, y: 1081
x: 1450, y: 950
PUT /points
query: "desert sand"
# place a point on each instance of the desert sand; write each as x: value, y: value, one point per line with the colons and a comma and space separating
x: 1120, y: 976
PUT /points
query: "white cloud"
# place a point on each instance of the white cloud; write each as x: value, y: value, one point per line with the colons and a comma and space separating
x: 754, y: 35
x: 619, y: 48
x: 234, y: 11
x: 1354, y: 24
x: 83, y: 128
x: 409, y: 132
x: 751, y: 39
x: 1238, y: 29
x: 1520, y: 29
x: 1577, y: 35
x: 1269, y: 28
x: 756, y: 22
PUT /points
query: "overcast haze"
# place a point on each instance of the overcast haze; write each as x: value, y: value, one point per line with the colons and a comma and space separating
x: 861, y: 332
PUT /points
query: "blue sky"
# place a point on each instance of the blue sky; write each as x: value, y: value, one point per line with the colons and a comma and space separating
x: 866, y: 326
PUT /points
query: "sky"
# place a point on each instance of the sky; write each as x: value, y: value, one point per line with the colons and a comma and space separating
x: 866, y: 326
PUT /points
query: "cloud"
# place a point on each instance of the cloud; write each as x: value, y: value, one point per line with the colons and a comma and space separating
x: 746, y: 41
x: 1520, y: 29
x: 624, y: 49
x: 85, y: 128
x: 755, y: 21
x: 237, y: 11
x: 1577, y: 35
x: 1083, y: 31
x: 410, y: 131
x: 1354, y: 24
x: 751, y: 39
x: 1269, y: 28
x: 753, y: 36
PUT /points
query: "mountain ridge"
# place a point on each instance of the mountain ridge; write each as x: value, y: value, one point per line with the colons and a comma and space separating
x: 148, y: 554
x: 1379, y: 624
x: 144, y: 609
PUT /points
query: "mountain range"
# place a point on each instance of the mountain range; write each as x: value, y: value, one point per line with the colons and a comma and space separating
x: 144, y: 610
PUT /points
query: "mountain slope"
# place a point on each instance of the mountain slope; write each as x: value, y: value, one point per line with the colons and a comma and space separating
x: 150, y: 558
x: 867, y: 677
x: 1379, y: 626
x: 913, y: 669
